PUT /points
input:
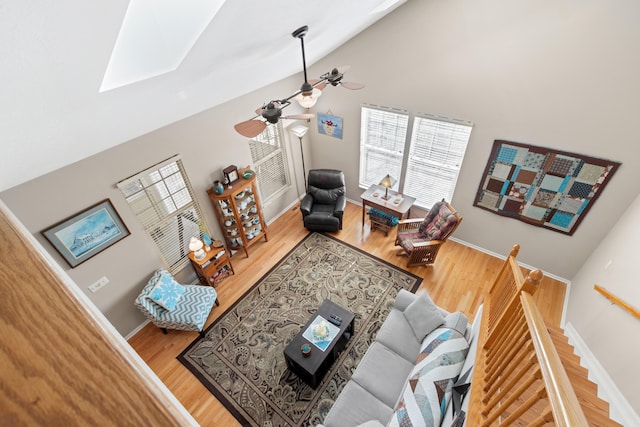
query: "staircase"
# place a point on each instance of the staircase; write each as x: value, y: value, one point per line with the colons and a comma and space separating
x: 595, y: 409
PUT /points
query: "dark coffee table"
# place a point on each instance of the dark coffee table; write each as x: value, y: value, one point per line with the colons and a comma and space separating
x: 312, y: 369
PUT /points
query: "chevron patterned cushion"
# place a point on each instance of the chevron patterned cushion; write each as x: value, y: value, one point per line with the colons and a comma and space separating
x: 191, y: 310
x: 428, y: 391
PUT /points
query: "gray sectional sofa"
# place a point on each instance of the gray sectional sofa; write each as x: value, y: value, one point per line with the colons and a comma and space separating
x: 409, y: 370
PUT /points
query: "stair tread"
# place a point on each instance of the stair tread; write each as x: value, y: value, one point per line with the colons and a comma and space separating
x: 595, y: 409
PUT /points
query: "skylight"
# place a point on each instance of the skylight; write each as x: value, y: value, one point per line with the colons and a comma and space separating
x: 155, y: 37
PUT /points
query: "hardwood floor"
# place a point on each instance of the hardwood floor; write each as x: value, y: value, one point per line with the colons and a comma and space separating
x: 457, y: 281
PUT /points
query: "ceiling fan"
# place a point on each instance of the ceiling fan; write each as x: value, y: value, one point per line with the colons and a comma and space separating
x: 271, y: 112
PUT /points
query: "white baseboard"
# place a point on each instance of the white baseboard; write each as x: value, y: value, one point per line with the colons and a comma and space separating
x: 279, y: 214
x: 619, y: 408
x: 136, y: 330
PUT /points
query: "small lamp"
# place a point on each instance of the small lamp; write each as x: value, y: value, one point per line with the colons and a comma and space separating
x: 387, y: 182
x: 308, y: 101
x: 195, y: 246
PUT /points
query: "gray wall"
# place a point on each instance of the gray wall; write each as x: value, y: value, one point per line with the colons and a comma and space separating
x: 207, y: 143
x: 555, y: 74
x: 558, y: 74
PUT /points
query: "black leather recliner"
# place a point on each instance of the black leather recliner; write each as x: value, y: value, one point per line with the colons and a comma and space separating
x: 323, y: 205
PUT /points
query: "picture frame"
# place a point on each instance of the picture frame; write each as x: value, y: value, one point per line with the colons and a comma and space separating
x: 330, y: 125
x: 87, y: 233
x: 231, y: 174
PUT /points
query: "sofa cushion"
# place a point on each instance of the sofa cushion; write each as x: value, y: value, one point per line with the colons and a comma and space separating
x: 383, y: 373
x: 396, y: 334
x: 459, y: 322
x: 355, y: 406
x: 423, y: 316
x: 427, y: 394
x: 166, y: 292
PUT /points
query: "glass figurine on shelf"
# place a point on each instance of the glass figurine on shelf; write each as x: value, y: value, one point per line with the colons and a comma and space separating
x: 207, y: 241
x: 226, y: 182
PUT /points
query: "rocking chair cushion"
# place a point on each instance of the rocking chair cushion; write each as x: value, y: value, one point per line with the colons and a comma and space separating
x: 439, y: 223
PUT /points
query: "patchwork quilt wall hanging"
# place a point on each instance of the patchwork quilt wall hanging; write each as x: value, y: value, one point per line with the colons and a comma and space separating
x: 541, y: 186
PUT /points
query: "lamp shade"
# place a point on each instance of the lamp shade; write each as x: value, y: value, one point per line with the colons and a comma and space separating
x: 299, y: 130
x: 388, y: 181
x: 309, y: 101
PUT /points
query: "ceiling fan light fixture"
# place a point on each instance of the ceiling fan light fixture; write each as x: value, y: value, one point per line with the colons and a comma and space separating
x: 308, y: 101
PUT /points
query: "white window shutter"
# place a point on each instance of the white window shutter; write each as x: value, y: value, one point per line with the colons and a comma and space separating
x: 270, y: 162
x: 162, y: 199
x: 435, y: 158
x: 383, y: 135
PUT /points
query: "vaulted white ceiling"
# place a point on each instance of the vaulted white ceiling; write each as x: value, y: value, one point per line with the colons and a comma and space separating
x: 55, y: 55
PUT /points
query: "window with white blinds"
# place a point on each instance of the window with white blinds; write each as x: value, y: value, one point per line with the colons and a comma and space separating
x: 162, y: 199
x: 435, y: 157
x: 383, y: 135
x: 426, y: 159
x: 269, y: 157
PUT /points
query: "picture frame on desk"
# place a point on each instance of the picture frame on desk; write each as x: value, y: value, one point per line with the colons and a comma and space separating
x: 231, y: 175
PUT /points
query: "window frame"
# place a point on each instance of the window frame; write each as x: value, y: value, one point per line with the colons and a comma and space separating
x: 163, y: 200
x: 271, y: 185
x: 414, y: 152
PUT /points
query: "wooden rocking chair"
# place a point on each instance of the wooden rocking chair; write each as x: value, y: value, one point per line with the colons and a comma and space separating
x: 421, y: 239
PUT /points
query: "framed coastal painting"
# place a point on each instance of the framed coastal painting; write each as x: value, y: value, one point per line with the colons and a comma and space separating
x: 330, y: 125
x: 87, y: 233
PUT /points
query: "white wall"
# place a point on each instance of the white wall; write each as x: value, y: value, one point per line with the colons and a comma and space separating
x: 559, y: 74
x: 611, y: 333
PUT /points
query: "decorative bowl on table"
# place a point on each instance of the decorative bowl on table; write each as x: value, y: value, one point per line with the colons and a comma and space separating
x: 247, y: 174
x: 306, y: 350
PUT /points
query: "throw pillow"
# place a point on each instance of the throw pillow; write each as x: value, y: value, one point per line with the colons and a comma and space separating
x: 426, y: 396
x: 423, y: 316
x: 166, y: 292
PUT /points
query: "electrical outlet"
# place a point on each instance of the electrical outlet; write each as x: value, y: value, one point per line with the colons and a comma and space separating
x: 101, y: 282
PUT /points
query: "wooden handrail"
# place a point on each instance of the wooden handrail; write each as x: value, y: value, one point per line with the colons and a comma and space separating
x: 564, y: 403
x: 614, y: 299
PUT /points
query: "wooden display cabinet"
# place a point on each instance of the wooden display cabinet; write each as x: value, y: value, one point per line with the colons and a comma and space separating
x: 239, y: 214
x: 213, y: 268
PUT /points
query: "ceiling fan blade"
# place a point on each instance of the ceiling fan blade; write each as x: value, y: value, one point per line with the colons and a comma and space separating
x: 352, y: 85
x: 318, y: 86
x: 306, y: 116
x: 250, y: 128
x: 343, y: 69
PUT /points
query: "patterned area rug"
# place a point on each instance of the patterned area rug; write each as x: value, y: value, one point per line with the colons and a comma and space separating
x: 240, y: 359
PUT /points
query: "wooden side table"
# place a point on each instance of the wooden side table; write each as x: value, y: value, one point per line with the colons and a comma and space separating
x: 214, y: 267
x: 373, y: 198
